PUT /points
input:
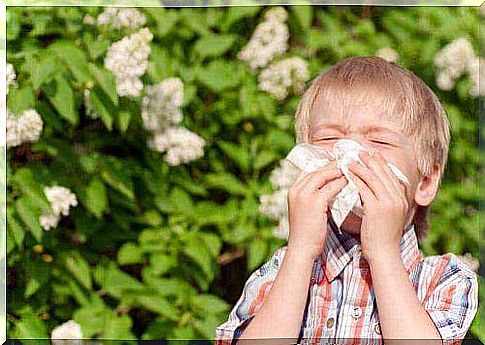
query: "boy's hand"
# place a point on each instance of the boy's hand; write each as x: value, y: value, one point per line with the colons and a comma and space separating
x: 308, y: 201
x: 385, y: 206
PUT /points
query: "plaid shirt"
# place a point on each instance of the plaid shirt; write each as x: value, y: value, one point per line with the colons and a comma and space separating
x: 341, y: 302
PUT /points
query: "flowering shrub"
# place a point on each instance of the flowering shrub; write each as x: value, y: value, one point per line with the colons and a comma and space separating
x: 145, y: 151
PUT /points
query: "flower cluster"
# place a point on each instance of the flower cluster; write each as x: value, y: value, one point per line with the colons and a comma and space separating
x: 61, y: 199
x: 88, y: 105
x: 180, y: 145
x: 11, y: 76
x: 278, y: 78
x: 127, y: 59
x: 161, y: 114
x: 388, y: 54
x: 275, y: 205
x: 68, y: 330
x: 121, y: 17
x: 270, y: 38
x: 24, y: 128
x: 161, y: 104
x: 454, y: 60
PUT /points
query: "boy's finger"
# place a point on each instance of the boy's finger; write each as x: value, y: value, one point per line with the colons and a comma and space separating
x: 332, y: 188
x: 376, y: 165
x: 320, y: 177
x: 369, y: 178
x: 303, y: 178
x: 367, y: 195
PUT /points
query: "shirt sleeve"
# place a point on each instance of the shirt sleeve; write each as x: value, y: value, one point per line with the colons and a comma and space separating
x: 254, y: 292
x: 454, y: 302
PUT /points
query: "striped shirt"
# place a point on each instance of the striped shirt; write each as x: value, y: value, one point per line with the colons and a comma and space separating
x: 341, y: 302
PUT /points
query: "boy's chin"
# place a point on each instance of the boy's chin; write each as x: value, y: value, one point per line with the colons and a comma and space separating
x: 352, y: 225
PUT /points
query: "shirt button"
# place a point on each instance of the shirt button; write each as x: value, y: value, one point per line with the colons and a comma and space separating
x: 357, y: 312
x: 377, y: 328
x: 330, y: 322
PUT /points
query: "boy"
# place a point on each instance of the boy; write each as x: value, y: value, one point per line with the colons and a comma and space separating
x: 369, y: 282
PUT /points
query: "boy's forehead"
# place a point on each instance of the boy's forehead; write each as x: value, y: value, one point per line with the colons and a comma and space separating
x: 362, y: 116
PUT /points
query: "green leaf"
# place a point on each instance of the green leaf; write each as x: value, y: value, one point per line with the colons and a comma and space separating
x: 102, y: 108
x: 214, y: 45
x: 159, y: 304
x: 113, y: 281
x: 235, y: 13
x: 124, y: 118
x: 181, y: 200
x: 20, y: 99
x: 304, y: 15
x: 29, y: 216
x: 130, y: 253
x: 24, y: 179
x: 219, y: 75
x: 74, y: 57
x: 162, y: 263
x: 199, y: 254
x: 165, y: 19
x: 30, y: 327
x: 237, y: 153
x: 96, y: 197
x: 264, y: 158
x: 114, y: 175
x: 106, y: 82
x: 225, y: 181
x: 42, y: 70
x: 256, y: 254
x: 212, y: 241
x: 79, y: 268
x: 209, y: 304
x: 60, y: 94
x: 38, y: 274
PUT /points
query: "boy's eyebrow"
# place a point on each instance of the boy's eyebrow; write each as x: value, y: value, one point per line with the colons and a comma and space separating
x: 367, y: 129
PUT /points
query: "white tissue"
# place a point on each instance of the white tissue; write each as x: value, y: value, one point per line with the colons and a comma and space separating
x: 308, y: 158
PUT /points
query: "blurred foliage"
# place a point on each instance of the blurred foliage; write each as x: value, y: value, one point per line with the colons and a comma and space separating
x: 138, y: 257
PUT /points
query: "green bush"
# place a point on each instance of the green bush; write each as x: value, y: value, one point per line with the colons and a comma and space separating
x: 139, y: 253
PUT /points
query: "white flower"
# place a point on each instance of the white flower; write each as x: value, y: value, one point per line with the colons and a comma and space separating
x: 180, y: 145
x: 49, y: 220
x: 477, y: 76
x: 11, y: 76
x: 68, y: 330
x: 23, y: 128
x: 61, y: 198
x: 279, y: 77
x: 161, y: 105
x: 89, y: 20
x: 269, y: 39
x: 387, y: 54
x: 454, y: 60
x: 276, y: 14
x: 284, y: 175
x: 444, y: 81
x: 275, y: 205
x: 88, y: 105
x: 470, y: 261
x: 455, y: 57
x: 117, y: 18
x: 127, y: 59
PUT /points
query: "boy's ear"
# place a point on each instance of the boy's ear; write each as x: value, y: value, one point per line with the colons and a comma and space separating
x: 428, y: 187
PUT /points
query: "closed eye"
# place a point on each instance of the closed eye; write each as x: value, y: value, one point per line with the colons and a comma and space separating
x: 381, y: 142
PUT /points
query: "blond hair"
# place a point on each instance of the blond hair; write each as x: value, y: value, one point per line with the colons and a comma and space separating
x: 401, y: 94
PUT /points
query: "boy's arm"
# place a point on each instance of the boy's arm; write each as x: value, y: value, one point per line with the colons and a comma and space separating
x: 282, y: 311
x: 446, y: 315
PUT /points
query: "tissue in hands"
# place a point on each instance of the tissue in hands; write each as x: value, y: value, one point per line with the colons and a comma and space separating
x: 308, y: 158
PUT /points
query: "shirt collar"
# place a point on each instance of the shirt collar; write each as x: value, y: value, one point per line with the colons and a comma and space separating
x: 339, y: 250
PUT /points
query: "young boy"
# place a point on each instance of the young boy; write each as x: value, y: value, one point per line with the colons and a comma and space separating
x: 369, y: 282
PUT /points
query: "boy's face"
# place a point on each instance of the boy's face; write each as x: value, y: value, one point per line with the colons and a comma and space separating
x: 367, y: 125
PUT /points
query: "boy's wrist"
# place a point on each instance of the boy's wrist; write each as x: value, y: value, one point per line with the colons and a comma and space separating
x: 299, y: 253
